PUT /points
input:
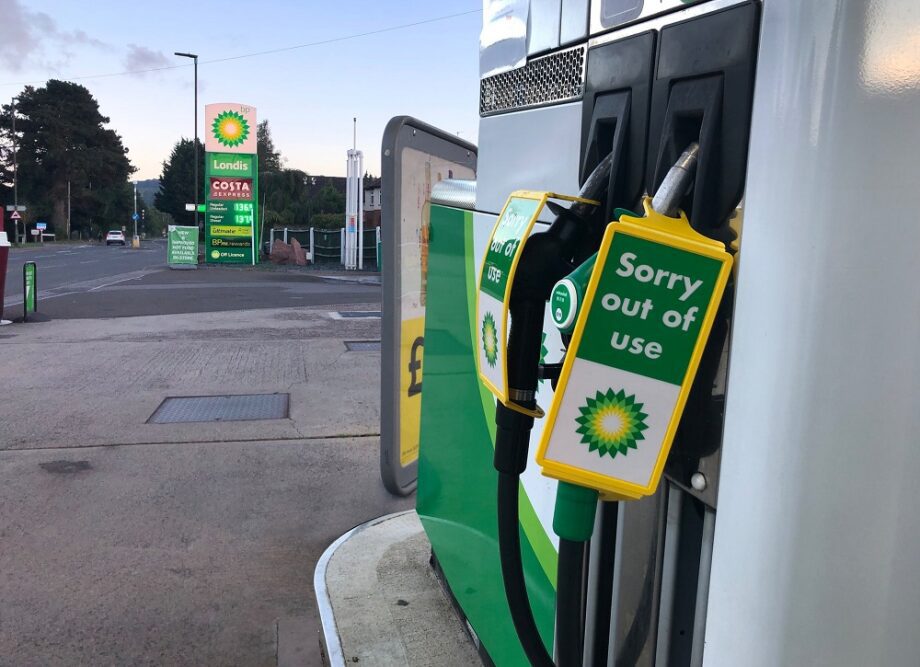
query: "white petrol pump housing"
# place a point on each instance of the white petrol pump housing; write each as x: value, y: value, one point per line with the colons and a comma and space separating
x: 817, y: 534
x: 805, y: 544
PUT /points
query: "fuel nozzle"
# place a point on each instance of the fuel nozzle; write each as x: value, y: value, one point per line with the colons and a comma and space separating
x: 554, y: 253
x: 567, y: 294
x: 676, y: 181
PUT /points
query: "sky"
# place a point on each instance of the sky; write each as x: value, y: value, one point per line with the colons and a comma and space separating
x: 309, y: 95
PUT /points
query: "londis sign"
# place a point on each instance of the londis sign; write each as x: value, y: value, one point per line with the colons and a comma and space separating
x: 648, y: 311
x: 228, y: 164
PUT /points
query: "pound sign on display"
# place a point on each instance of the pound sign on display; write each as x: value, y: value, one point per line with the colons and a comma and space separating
x: 415, y: 367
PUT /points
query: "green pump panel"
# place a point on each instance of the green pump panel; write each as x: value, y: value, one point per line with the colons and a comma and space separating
x: 456, y: 481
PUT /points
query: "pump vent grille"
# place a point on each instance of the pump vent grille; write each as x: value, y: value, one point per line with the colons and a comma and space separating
x: 558, y: 77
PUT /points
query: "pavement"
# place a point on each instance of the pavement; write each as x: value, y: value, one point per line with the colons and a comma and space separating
x: 199, y: 543
x: 125, y: 542
x: 382, y: 604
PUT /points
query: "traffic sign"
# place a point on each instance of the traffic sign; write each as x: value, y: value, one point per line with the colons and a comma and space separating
x: 135, y: 217
x: 15, y: 215
x: 11, y: 207
x: 41, y: 226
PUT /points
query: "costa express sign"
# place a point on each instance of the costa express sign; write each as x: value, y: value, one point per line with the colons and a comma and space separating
x: 223, y: 187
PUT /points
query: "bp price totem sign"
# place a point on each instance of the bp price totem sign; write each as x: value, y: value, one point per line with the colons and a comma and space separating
x: 231, y: 181
x: 638, y: 339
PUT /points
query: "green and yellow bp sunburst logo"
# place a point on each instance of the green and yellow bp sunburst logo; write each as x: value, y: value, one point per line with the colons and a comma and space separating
x: 611, y: 423
x: 490, y: 339
x: 230, y: 128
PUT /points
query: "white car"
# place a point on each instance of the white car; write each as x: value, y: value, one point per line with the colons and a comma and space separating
x: 115, y: 236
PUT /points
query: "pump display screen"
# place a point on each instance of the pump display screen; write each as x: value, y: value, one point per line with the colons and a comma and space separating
x: 614, y: 12
x: 618, y: 12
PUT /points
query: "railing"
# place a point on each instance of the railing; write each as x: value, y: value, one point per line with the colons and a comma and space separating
x: 328, y: 245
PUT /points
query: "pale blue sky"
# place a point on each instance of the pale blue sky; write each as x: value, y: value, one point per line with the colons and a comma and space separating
x: 309, y: 95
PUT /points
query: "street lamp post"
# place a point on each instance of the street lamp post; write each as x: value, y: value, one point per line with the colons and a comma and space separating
x: 194, y: 57
x: 15, y: 169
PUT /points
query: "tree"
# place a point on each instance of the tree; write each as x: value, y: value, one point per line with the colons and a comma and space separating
x: 269, y: 156
x: 177, y: 182
x: 330, y: 200
x: 62, y: 139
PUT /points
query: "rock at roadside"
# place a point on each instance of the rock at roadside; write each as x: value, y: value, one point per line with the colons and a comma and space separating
x: 300, y: 255
x: 281, y: 253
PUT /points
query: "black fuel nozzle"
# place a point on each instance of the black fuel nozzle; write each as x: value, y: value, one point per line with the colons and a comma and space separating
x: 547, y: 257
x: 552, y: 254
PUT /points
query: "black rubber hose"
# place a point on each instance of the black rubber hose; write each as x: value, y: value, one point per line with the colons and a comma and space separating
x: 570, y: 603
x: 509, y: 546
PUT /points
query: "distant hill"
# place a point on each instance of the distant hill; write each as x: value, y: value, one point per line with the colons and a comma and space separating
x: 147, y: 189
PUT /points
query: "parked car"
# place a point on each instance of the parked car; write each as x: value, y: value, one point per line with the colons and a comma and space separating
x: 115, y: 236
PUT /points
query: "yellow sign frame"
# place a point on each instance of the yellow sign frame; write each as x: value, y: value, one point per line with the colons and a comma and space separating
x: 502, y: 393
x: 676, y: 233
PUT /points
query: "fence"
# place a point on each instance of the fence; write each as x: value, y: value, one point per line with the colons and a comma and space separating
x: 328, y: 245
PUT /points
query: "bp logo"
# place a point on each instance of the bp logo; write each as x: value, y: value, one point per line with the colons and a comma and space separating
x: 230, y: 128
x: 611, y: 423
x: 215, y: 254
x: 490, y: 339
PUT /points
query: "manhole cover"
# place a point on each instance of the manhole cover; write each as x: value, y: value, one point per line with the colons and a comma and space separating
x: 362, y: 345
x: 359, y: 314
x: 245, y: 407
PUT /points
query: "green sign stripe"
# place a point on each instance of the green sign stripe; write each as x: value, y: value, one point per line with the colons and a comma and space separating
x: 30, y: 288
x: 648, y: 309
x: 509, y: 231
x: 530, y: 522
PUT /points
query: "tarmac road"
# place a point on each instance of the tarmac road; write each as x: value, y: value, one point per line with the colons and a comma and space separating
x: 93, y: 281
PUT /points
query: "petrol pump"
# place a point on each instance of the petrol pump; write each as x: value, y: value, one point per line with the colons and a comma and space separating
x: 638, y: 440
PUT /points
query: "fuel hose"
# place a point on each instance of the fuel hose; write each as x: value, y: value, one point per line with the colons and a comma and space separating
x: 546, y: 258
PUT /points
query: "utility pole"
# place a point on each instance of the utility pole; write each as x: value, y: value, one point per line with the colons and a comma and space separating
x: 134, y: 217
x: 68, y: 209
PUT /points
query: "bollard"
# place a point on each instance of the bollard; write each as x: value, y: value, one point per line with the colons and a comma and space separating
x: 29, y: 289
x: 4, y: 257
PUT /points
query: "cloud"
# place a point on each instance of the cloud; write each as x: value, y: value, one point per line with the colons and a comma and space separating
x: 141, y: 58
x: 17, y: 42
x: 24, y: 34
